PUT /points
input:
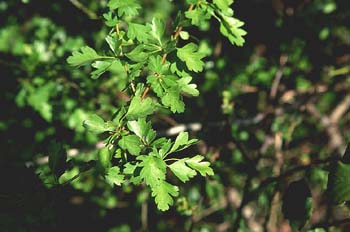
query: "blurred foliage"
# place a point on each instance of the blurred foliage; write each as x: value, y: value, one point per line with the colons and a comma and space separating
x: 276, y: 104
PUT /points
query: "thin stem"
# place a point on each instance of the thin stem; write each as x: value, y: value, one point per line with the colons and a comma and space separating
x: 84, y: 9
x: 171, y: 159
x: 176, y: 35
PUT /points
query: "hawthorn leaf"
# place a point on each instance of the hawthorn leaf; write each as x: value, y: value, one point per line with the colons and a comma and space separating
x: 192, y: 1
x: 84, y: 56
x: 155, y: 82
x: 184, y: 35
x: 111, y: 20
x: 165, y: 148
x: 138, y: 31
x: 104, y: 158
x: 155, y: 64
x: 164, y: 193
x: 186, y: 87
x: 138, y: 54
x: 140, y: 108
x: 96, y: 124
x: 131, y: 143
x: 180, y: 140
x: 142, y: 129
x: 202, y: 167
x: 125, y: 7
x: 157, y: 29
x: 101, y: 67
x: 180, y: 169
x: 173, y: 99
x: 114, y: 177
x: 153, y: 170
x: 113, y: 42
x: 198, y: 15
x: 134, y: 171
x: 190, y: 55
x: 231, y: 28
x: 223, y: 4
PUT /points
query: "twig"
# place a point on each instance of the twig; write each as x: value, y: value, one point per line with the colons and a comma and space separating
x: 84, y: 9
x: 144, y: 216
x: 341, y: 109
x: 292, y: 171
x: 331, y: 224
x: 278, y: 76
x: 336, y: 140
x: 273, y: 216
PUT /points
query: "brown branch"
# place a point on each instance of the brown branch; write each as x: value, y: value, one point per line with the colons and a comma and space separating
x: 278, y: 76
x: 326, y: 225
x: 290, y: 172
x: 341, y: 109
x: 336, y: 140
x: 273, y: 217
x: 84, y: 9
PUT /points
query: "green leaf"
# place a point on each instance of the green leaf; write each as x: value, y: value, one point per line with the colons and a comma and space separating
x: 297, y: 204
x: 101, y: 67
x: 142, y: 129
x: 39, y: 100
x: 131, y: 143
x: 113, y: 42
x: 230, y: 27
x: 198, y: 15
x: 84, y: 56
x: 180, y: 170
x: 140, y: 108
x: 125, y: 7
x: 184, y: 35
x: 157, y: 29
x: 165, y: 148
x: 114, y: 177
x: 164, y: 193
x: 339, y: 183
x: 138, y: 54
x: 138, y: 31
x: 223, y: 4
x: 202, y: 167
x: 173, y: 99
x: 180, y: 140
x: 134, y: 171
x: 110, y: 20
x: 153, y: 170
x: 186, y: 87
x: 192, y: 1
x: 191, y: 57
x: 57, y: 158
x: 104, y: 158
x: 156, y: 84
x: 155, y: 64
x: 96, y: 124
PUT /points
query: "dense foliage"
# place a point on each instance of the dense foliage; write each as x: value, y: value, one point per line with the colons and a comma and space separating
x: 195, y: 115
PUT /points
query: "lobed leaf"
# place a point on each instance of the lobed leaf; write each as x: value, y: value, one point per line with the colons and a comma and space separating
x: 190, y: 55
x: 181, y: 170
x: 202, y: 167
x: 84, y: 56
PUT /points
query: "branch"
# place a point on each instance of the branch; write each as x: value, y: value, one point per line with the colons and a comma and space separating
x: 326, y: 225
x: 292, y: 171
x: 84, y: 9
